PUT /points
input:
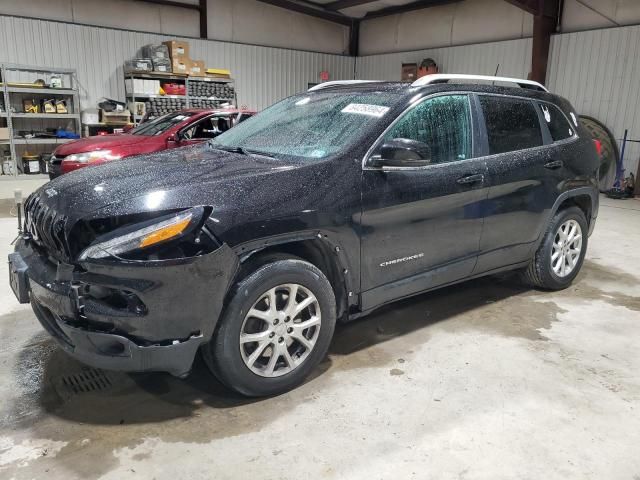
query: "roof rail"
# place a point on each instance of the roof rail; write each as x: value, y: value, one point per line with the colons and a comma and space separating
x: 339, y: 82
x: 446, y: 77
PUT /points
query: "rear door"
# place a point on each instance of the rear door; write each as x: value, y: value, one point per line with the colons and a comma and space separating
x: 421, y: 226
x: 524, y: 175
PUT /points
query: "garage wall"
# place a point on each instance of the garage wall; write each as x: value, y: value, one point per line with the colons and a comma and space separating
x: 249, y: 21
x: 241, y: 21
x: 590, y: 14
x: 513, y: 56
x: 467, y: 22
x: 263, y: 74
x: 598, y: 72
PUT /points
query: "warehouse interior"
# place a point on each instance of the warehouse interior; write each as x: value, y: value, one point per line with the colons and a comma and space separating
x: 483, y: 379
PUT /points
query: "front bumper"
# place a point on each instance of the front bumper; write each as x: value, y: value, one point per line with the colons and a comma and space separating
x: 128, y: 316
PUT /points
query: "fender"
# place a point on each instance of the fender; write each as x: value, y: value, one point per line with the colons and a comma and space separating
x: 341, y: 259
x: 595, y: 201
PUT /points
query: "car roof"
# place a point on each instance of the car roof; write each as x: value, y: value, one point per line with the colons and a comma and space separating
x: 216, y: 110
x: 406, y: 89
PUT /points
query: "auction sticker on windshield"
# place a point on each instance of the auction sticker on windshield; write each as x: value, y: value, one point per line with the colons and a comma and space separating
x: 365, y: 109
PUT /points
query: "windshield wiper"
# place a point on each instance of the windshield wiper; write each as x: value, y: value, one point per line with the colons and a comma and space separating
x: 241, y: 150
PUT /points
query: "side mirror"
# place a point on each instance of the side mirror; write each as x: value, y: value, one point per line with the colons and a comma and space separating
x: 173, y: 139
x: 402, y: 152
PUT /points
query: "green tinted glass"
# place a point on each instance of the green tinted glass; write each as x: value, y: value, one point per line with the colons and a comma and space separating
x: 443, y: 123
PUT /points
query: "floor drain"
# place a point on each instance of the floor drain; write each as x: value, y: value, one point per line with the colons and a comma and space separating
x: 88, y: 380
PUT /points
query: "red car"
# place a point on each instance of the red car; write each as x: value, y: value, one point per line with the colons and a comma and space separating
x: 176, y: 129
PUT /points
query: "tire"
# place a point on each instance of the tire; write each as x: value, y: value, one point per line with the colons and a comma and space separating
x: 229, y: 360
x: 540, y: 272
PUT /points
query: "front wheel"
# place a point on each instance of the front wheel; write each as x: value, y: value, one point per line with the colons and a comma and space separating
x: 561, y: 254
x: 275, y: 330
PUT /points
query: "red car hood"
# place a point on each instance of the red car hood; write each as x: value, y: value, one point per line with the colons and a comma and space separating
x: 102, y: 142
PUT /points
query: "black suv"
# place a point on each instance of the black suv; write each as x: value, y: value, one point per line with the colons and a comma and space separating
x: 324, y: 206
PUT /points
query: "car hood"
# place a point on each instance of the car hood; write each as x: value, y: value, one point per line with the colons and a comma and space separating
x: 100, y: 142
x: 168, y: 180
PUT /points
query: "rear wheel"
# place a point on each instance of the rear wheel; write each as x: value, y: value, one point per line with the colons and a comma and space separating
x: 276, y: 328
x: 561, y: 254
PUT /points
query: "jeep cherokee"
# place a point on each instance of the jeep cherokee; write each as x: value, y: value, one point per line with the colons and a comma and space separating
x: 324, y: 206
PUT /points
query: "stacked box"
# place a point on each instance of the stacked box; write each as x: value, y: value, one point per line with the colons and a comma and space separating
x: 156, y: 52
x: 178, y: 50
x: 162, y: 65
x: 196, y: 68
x: 138, y: 65
x: 160, y: 58
x: 139, y: 86
x: 180, y: 65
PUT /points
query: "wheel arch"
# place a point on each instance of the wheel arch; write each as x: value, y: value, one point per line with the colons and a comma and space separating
x: 316, y: 248
x: 585, y: 198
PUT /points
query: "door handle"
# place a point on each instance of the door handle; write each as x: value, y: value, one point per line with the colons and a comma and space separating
x: 554, y: 164
x: 466, y: 180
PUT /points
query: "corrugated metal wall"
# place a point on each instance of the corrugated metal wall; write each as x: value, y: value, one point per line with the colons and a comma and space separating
x: 263, y: 75
x: 599, y: 72
x: 513, y: 56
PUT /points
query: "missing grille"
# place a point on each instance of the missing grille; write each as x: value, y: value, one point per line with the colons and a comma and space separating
x: 86, y: 381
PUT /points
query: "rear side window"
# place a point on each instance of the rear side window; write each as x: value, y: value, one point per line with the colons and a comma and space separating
x: 512, y: 124
x: 558, y: 125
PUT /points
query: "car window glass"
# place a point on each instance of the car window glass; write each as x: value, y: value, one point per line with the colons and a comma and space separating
x: 442, y: 123
x: 313, y: 125
x: 206, y: 128
x: 161, y: 124
x: 558, y: 125
x: 512, y: 124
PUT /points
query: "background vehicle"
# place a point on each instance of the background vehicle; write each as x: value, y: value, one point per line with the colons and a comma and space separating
x: 250, y: 247
x: 173, y: 130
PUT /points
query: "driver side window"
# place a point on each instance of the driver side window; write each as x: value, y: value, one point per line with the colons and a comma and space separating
x: 206, y: 128
x: 442, y: 124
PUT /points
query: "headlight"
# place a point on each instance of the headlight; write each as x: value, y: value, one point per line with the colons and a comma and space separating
x: 89, y: 157
x: 144, y: 237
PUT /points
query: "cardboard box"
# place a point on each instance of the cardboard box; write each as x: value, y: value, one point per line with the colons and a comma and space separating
x: 151, y: 87
x: 4, y: 134
x: 118, y: 118
x: 197, y: 68
x: 178, y: 49
x: 181, y: 65
x: 409, y: 72
x: 135, y: 85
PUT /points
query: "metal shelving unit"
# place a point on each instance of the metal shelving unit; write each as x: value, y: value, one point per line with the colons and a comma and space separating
x: 137, y: 96
x: 11, y: 92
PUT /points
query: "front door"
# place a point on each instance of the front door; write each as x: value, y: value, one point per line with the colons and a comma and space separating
x: 421, y: 226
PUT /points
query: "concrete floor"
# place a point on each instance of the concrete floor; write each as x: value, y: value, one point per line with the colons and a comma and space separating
x: 483, y: 380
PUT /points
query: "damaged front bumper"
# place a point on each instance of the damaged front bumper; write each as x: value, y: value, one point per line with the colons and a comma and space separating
x: 134, y: 316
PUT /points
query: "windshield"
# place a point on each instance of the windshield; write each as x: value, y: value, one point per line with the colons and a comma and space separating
x: 309, y: 126
x: 161, y: 124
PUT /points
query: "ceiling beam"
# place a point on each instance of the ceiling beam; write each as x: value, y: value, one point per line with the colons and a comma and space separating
x: 204, y: 27
x: 308, y: 10
x: 545, y: 24
x: 342, y: 4
x: 529, y: 6
x: 169, y: 3
x: 409, y: 7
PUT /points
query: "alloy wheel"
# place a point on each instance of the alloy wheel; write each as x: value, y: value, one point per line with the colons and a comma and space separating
x: 566, y: 249
x: 280, y: 330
